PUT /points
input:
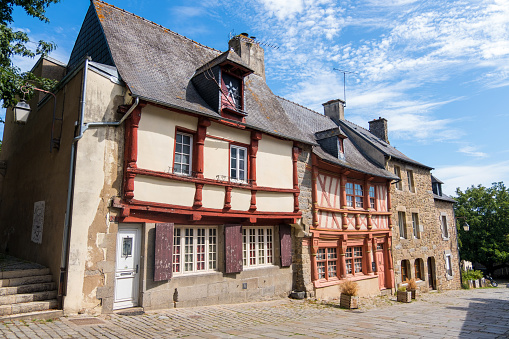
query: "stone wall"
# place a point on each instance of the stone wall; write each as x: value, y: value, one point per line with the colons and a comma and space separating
x: 429, y: 243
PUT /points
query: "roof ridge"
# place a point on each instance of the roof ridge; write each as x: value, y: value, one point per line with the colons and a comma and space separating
x: 309, y: 109
x: 155, y: 24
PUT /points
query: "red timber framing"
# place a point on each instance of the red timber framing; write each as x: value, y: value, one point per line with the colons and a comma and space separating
x: 350, y: 239
x: 144, y: 211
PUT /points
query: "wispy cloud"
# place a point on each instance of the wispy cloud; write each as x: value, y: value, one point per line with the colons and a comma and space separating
x: 466, y: 176
x: 472, y: 151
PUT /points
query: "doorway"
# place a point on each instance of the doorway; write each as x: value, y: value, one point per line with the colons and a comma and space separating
x: 127, y: 276
x: 380, y: 258
x: 431, y: 274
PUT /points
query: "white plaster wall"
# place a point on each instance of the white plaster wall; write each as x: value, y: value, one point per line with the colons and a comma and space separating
x: 156, y: 137
x: 93, y: 173
x: 215, y: 158
x: 164, y: 190
x: 274, y: 165
x: 274, y: 202
x: 213, y: 196
x: 229, y: 133
x: 241, y: 199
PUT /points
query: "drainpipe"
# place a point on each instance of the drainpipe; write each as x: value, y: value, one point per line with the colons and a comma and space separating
x: 72, y: 168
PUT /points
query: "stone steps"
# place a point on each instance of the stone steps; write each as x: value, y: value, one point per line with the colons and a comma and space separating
x: 26, y: 291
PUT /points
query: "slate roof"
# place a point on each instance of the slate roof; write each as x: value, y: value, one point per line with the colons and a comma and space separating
x: 444, y: 197
x: 309, y: 122
x: 378, y: 143
x: 157, y: 65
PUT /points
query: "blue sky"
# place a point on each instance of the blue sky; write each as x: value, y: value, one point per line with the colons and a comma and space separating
x: 438, y: 71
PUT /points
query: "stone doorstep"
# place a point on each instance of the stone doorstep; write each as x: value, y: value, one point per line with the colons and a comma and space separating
x: 23, y: 289
x: 38, y: 315
x: 28, y: 297
x: 23, y: 273
x: 25, y: 280
x: 28, y: 307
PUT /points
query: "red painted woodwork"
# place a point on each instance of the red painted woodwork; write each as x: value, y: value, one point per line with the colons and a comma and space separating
x: 201, y: 133
x: 389, y: 204
x: 233, y: 248
x: 314, y: 250
x: 253, y: 201
x: 285, y: 238
x: 163, y: 252
x: 131, y: 150
x: 343, y: 191
x: 296, y: 202
x: 253, y: 150
x: 198, y: 195
x: 380, y: 260
x: 295, y: 157
x: 367, y: 246
x: 314, y: 191
x: 228, y: 197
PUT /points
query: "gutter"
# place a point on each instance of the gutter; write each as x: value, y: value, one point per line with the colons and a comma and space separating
x: 72, y: 171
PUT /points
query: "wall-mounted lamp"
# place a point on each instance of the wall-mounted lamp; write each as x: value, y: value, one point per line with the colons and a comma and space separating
x: 21, y: 112
x: 466, y: 226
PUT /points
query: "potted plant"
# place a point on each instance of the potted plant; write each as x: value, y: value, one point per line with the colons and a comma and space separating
x: 412, y: 287
x: 349, y: 298
x: 403, y: 295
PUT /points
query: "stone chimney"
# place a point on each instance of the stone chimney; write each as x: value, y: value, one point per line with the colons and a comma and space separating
x: 378, y: 127
x: 250, y: 52
x: 334, y: 109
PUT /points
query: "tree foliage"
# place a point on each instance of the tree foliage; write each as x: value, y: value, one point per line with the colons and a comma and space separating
x: 14, y: 43
x: 487, y: 212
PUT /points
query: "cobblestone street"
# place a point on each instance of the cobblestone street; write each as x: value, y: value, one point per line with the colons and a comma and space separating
x: 481, y: 313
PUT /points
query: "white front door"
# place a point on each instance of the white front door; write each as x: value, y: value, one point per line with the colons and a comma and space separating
x: 127, y: 279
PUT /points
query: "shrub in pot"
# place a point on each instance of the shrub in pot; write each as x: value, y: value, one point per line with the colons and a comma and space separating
x: 403, y: 295
x: 412, y: 287
x: 349, y: 295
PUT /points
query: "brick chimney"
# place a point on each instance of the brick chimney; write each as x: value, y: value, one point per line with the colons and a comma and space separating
x: 334, y: 109
x: 378, y: 127
x: 250, y: 52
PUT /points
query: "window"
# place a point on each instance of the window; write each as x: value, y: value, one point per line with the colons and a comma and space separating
x: 410, y: 178
x: 415, y: 225
x: 238, y: 163
x: 448, y: 264
x: 445, y: 231
x: 353, y: 260
x: 418, y: 266
x: 354, y: 195
x: 340, y: 148
x: 402, y: 224
x: 397, y: 171
x: 405, y: 270
x: 183, y: 152
x: 194, y: 250
x: 372, y: 197
x: 257, y: 246
x: 326, y: 263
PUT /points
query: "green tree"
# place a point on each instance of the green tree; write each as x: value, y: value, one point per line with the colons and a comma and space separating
x: 487, y: 212
x: 15, y: 43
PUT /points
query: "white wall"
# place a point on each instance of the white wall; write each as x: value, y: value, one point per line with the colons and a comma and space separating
x: 274, y: 165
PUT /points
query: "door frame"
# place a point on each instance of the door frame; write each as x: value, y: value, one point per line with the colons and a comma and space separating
x: 137, y: 250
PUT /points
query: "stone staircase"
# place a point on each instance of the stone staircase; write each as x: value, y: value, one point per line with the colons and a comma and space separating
x: 26, y: 290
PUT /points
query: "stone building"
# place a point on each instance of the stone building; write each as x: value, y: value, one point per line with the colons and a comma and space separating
x: 425, y: 244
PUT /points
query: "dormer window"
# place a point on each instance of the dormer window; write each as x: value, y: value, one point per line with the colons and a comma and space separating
x: 231, y: 86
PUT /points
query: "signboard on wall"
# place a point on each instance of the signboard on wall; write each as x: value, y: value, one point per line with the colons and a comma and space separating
x: 38, y: 222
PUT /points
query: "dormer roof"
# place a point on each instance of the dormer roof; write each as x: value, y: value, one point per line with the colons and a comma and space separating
x: 228, y: 58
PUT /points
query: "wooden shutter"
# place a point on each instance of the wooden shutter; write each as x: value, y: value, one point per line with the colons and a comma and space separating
x: 163, y: 267
x: 285, y: 237
x: 233, y: 248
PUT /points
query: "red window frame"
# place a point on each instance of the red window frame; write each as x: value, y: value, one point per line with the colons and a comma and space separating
x: 354, y: 195
x: 327, y: 263
x: 354, y: 258
x: 372, y: 197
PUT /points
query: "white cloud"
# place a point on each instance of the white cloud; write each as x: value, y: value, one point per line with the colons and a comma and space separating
x: 466, y: 176
x: 472, y: 151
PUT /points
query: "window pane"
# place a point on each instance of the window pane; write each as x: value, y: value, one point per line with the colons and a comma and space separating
x: 199, y: 247
x: 349, y: 188
x: 257, y: 246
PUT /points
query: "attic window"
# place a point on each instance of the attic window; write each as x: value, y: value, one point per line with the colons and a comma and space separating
x: 232, y: 92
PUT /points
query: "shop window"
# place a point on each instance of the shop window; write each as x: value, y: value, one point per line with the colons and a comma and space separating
x: 353, y: 257
x: 326, y: 263
x: 194, y: 250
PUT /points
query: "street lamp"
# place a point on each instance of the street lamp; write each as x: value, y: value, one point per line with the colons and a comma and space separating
x: 466, y: 226
x: 21, y: 112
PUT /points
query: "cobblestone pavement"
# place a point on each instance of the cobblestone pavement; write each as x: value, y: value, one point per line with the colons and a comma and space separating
x: 481, y: 313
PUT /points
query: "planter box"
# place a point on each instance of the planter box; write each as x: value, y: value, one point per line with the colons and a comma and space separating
x: 404, y: 297
x: 349, y: 301
x: 414, y: 294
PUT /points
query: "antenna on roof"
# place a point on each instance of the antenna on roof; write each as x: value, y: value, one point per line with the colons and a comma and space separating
x: 251, y: 39
x: 344, y: 81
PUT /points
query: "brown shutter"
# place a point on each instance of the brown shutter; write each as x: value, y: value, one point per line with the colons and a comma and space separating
x: 163, y: 252
x: 285, y: 237
x: 233, y: 248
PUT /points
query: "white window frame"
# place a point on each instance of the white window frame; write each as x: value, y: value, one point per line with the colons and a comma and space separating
x: 416, y: 226
x: 210, y: 248
x: 402, y: 224
x: 445, y: 228
x: 182, y: 154
x: 448, y: 265
x: 257, y: 246
x: 237, y: 164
